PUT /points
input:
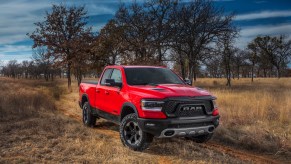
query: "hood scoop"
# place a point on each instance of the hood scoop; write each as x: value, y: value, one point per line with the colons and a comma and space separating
x: 157, y: 89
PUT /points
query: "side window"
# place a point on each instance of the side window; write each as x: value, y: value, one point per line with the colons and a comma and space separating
x: 116, y: 75
x: 106, y: 75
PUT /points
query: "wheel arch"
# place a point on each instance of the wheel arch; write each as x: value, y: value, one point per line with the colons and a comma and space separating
x: 127, y: 108
x: 84, y: 99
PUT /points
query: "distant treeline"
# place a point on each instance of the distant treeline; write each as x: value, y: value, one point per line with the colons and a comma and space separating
x: 196, y: 38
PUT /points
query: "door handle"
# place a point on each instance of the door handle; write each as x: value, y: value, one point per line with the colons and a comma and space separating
x: 106, y: 92
x: 97, y: 91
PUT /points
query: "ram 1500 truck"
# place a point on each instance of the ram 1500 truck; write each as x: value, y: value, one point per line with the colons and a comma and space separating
x: 147, y: 102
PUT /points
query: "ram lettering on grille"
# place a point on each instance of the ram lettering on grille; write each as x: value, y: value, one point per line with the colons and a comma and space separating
x: 176, y: 108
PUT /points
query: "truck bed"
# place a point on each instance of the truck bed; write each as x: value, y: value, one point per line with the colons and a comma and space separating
x: 90, y: 82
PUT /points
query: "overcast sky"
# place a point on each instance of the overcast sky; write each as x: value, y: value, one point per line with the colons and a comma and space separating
x: 254, y: 17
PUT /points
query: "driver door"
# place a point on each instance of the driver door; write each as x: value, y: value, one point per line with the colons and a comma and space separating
x: 102, y: 92
x: 115, y: 99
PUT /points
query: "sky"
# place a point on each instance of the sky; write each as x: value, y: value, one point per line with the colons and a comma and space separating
x: 17, y: 18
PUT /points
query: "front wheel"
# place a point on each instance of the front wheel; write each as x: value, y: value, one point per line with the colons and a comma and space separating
x: 131, y: 134
x: 88, y: 118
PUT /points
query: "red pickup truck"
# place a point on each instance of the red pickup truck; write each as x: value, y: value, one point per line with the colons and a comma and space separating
x: 147, y: 102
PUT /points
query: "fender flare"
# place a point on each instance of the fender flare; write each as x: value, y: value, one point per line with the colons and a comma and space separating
x: 127, y: 104
x: 81, y: 102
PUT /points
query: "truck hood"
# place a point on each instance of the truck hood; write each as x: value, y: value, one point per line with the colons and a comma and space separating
x: 168, y: 90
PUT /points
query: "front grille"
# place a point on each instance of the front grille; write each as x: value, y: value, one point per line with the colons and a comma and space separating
x: 173, y: 107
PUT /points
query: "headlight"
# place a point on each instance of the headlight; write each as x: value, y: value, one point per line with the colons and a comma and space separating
x: 152, y: 105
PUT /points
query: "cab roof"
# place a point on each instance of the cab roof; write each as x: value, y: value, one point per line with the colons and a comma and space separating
x: 134, y: 66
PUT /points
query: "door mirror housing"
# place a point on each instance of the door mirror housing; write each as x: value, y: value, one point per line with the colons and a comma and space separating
x: 112, y: 83
x: 188, y: 81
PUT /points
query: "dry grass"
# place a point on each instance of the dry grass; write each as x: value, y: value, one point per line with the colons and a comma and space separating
x: 255, y: 115
x: 33, y: 131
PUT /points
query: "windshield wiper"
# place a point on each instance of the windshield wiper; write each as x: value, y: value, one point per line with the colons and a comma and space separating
x: 153, y: 84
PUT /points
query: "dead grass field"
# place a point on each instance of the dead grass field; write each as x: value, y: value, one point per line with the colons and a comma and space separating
x: 40, y: 123
x: 255, y: 116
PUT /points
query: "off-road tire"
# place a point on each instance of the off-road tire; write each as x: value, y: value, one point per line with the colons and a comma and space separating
x: 125, y: 132
x: 87, y: 116
x: 201, y: 139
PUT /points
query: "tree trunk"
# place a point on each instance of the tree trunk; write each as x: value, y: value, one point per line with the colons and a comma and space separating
x: 182, y: 65
x: 253, y: 73
x: 228, y: 83
x: 79, y: 76
x: 190, y: 67
x: 278, y: 72
x: 69, y: 76
x: 194, y: 71
x: 160, y: 55
x: 259, y: 72
x: 228, y: 75
x: 113, y: 59
x: 238, y: 72
x: 265, y: 73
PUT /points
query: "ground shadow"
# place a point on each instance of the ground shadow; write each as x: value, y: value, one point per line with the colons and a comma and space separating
x: 106, y: 125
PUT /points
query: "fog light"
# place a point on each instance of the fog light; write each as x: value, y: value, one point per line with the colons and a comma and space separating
x: 211, y: 129
x: 182, y: 134
x: 169, y: 133
x: 192, y: 133
x: 201, y: 131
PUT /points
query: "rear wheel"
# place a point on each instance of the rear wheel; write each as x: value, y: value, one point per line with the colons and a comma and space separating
x: 201, y: 139
x: 88, y: 118
x: 131, y: 134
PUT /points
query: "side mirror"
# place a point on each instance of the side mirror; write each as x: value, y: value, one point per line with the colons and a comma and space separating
x: 187, y: 81
x: 111, y: 82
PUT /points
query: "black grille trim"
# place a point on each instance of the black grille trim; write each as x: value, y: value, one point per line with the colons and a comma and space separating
x: 172, y: 106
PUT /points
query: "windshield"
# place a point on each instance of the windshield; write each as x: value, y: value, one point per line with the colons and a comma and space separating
x: 151, y: 76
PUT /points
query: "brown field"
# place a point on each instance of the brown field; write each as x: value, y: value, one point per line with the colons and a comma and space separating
x: 41, y: 122
x: 255, y: 116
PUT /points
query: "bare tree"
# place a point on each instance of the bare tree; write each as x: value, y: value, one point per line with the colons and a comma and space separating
x: 83, y: 51
x: 44, y: 61
x: 1, y: 67
x: 137, y: 33
x: 275, y: 49
x: 227, y: 50
x: 253, y: 57
x: 25, y: 65
x: 146, y: 31
x: 200, y: 24
x: 12, y: 68
x: 160, y: 12
x: 214, y: 64
x: 109, y: 42
x: 239, y: 60
x: 60, y: 32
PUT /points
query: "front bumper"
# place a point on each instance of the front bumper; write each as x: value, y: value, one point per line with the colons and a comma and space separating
x: 178, y: 127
